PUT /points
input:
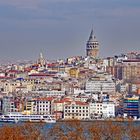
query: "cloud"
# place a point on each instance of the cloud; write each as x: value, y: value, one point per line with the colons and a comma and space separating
x: 67, y: 9
x: 64, y: 24
x: 31, y: 3
x: 120, y: 12
x: 22, y: 3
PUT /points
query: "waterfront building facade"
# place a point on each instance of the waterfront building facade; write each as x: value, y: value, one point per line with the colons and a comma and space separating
x: 76, y: 110
x: 131, y: 106
x: 43, y: 105
x: 102, y: 109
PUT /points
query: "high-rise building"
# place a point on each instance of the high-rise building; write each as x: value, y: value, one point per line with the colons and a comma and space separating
x: 131, y: 106
x: 131, y: 69
x: 92, y: 46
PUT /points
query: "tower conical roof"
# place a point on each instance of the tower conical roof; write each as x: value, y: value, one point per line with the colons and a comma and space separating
x: 92, y: 37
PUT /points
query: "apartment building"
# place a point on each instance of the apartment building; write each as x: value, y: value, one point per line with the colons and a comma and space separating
x: 102, y: 110
x: 131, y: 106
x: 51, y: 93
x: 43, y: 105
x: 76, y: 110
x: 100, y: 86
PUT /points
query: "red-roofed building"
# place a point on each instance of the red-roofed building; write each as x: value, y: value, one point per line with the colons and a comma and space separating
x: 43, y: 105
x: 40, y: 75
x: 12, y: 73
x: 5, y: 77
x: 58, y: 105
x: 44, y: 99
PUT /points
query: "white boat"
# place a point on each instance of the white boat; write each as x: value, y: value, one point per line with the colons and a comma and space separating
x: 18, y: 117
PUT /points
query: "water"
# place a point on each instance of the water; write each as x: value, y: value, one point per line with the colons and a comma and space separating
x: 51, y: 125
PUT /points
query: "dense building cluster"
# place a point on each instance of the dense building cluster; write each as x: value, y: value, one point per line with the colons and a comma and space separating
x: 78, y: 87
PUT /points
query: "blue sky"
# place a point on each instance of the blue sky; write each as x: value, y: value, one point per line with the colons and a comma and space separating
x: 60, y: 28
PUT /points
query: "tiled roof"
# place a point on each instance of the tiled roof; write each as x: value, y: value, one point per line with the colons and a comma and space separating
x: 44, y: 99
x: 80, y: 103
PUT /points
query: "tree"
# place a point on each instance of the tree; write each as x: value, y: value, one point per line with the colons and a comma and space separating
x: 69, y: 130
x: 26, y: 131
x: 133, y: 131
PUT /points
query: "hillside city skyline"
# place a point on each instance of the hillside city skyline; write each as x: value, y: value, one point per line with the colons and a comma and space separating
x: 92, y: 36
x: 70, y: 69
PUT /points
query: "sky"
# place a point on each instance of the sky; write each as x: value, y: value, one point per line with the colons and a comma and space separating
x: 61, y: 28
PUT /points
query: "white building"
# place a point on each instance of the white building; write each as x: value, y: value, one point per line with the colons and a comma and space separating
x: 100, y: 86
x: 7, y: 105
x: 78, y: 91
x: 43, y: 105
x: 10, y: 104
x: 76, y: 110
x: 51, y: 93
x: 102, y: 109
x: 133, y: 88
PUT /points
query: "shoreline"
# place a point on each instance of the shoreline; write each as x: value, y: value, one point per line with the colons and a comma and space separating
x: 126, y: 120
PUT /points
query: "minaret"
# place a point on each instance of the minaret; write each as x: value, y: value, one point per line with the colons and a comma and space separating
x: 92, y: 46
x: 41, y: 56
x: 41, y: 60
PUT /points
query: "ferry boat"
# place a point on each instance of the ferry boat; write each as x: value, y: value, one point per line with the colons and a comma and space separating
x: 18, y: 117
